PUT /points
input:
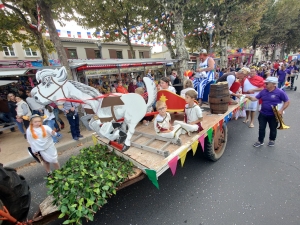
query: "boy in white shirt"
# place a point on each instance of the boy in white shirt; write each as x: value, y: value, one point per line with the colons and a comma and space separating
x: 163, y: 126
x: 192, y: 114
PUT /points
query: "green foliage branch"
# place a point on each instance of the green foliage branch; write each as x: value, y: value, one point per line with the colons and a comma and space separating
x: 83, y: 185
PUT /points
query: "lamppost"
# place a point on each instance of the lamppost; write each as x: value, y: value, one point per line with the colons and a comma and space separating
x: 99, y: 45
x: 210, y: 29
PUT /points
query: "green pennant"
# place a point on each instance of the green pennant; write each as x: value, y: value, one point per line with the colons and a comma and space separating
x: 209, y: 134
x: 152, y: 176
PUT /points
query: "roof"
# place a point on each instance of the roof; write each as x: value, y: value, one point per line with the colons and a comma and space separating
x: 93, y: 41
x: 13, y: 72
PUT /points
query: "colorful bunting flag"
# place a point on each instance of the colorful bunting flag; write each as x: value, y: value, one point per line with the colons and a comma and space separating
x: 69, y: 33
x: 182, y: 156
x: 89, y: 34
x: 124, y: 31
x: 173, y: 33
x: 156, y: 20
x: 141, y: 26
x: 95, y: 141
x: 209, y: 134
x: 201, y: 140
x: 1, y: 5
x: 173, y: 164
x: 98, y: 34
x: 163, y: 16
x: 117, y: 33
x: 194, y: 146
x: 58, y: 32
x: 152, y: 176
x: 47, y: 31
x: 79, y: 34
x: 107, y: 34
x: 215, y: 127
x: 221, y: 125
x: 133, y: 29
x: 149, y: 23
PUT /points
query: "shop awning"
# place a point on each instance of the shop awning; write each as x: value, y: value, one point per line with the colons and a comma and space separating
x: 12, y: 72
x: 5, y: 82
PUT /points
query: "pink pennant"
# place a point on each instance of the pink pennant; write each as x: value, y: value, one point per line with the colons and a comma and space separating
x: 201, y: 140
x: 173, y: 164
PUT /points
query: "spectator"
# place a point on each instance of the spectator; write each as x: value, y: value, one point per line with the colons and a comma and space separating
x: 120, y: 88
x: 22, y: 94
x: 132, y: 86
x: 22, y: 110
x: 149, y: 75
x: 71, y: 111
x: 50, y: 120
x: 57, y: 118
x: 5, y: 114
x: 187, y: 85
x: 113, y: 89
x: 140, y: 82
x: 33, y: 104
x: 12, y: 104
x: 144, y: 94
x: 221, y: 72
x: 164, y: 83
x: 173, y: 76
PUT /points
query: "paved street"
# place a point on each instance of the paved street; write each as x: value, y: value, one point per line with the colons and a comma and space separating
x: 246, y: 186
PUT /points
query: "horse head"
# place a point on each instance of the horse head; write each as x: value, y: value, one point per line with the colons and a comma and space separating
x: 52, y: 85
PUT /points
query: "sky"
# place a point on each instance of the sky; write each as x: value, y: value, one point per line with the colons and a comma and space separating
x: 74, y: 28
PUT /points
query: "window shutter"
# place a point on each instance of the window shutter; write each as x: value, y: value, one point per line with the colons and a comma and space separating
x: 129, y: 54
x: 146, y: 54
x: 67, y: 52
x: 90, y: 53
x: 112, y: 53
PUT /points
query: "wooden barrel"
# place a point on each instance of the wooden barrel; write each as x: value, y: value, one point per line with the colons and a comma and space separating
x: 219, y: 98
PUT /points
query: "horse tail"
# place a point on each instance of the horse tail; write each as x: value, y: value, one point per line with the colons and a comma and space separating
x: 151, y: 89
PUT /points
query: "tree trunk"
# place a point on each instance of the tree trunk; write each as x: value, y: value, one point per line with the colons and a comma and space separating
x: 47, y: 15
x: 223, y: 55
x: 169, y: 46
x: 131, y: 49
x: 282, y: 52
x: 42, y: 48
x: 181, y: 52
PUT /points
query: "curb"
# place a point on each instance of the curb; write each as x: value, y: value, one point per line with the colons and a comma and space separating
x: 68, y: 145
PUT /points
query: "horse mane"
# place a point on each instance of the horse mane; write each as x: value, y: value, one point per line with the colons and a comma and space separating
x: 85, y: 88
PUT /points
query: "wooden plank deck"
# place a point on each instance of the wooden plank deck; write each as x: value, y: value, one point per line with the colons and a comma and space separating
x: 147, y: 160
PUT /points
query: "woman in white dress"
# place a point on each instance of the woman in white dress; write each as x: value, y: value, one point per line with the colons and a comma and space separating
x: 39, y: 137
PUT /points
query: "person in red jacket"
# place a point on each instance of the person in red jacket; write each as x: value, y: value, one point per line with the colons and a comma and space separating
x: 121, y: 88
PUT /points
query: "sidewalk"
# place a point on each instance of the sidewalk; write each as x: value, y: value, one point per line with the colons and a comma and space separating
x: 14, y: 146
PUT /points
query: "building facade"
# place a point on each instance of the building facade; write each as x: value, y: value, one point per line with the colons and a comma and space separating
x: 77, y: 48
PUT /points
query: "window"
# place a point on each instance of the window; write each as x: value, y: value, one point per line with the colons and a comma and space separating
x: 30, y: 52
x: 72, y: 53
x: 119, y: 55
x: 97, y: 54
x: 141, y: 55
x: 8, y: 51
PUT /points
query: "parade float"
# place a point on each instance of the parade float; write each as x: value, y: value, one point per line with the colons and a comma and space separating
x: 124, y: 151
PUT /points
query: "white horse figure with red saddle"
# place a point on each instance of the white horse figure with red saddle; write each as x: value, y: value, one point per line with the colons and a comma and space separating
x: 131, y: 107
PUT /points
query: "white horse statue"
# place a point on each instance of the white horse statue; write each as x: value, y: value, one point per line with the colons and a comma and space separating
x: 108, y: 110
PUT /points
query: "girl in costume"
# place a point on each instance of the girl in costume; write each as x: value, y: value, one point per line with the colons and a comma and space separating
x: 164, y: 84
x: 162, y: 123
x: 192, y: 114
x: 39, y: 137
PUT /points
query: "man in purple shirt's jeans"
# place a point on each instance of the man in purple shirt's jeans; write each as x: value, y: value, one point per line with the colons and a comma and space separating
x: 270, y: 96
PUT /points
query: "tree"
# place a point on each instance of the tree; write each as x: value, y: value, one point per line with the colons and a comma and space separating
x: 123, y: 17
x: 18, y: 24
x: 46, y: 7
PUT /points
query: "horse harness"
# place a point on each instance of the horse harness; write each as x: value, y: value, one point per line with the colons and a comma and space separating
x: 59, y: 87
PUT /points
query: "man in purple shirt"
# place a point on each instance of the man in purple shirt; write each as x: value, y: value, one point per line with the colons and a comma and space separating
x: 270, y: 96
x: 281, y: 74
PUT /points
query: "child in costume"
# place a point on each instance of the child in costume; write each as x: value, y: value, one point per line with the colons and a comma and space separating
x: 192, y: 114
x: 163, y: 126
x: 39, y: 137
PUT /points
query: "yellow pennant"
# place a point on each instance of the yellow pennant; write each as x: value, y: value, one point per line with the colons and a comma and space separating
x: 95, y: 141
x: 194, y: 146
x: 182, y: 156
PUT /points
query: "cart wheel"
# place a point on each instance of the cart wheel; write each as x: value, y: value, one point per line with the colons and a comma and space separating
x: 295, y: 89
x: 14, y: 194
x: 214, y: 150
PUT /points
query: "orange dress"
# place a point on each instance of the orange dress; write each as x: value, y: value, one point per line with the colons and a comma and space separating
x: 121, y: 89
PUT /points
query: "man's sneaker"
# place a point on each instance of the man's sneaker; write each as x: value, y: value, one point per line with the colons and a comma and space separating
x: 271, y: 143
x: 257, y: 144
x: 76, y: 138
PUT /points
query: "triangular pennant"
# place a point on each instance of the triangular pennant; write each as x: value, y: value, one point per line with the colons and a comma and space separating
x: 152, y: 176
x: 221, y: 125
x: 201, y: 140
x: 209, y: 134
x: 226, y: 119
x: 95, y: 141
x: 215, y: 127
x: 230, y: 115
x: 182, y: 156
x: 194, y: 146
x: 173, y: 164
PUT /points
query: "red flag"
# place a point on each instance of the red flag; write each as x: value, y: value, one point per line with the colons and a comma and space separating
x: 1, y: 5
